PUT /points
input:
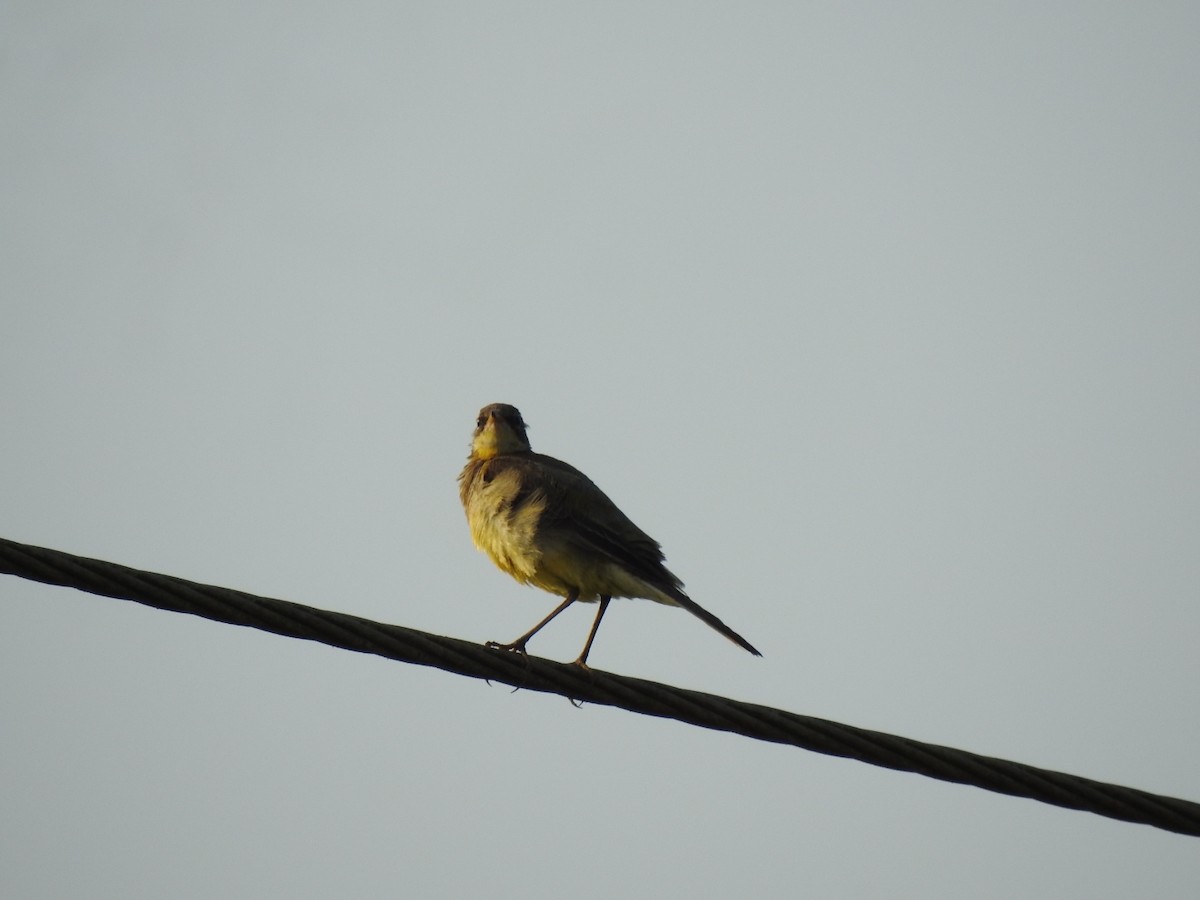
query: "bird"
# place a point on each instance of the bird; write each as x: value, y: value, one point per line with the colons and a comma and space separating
x: 545, y: 523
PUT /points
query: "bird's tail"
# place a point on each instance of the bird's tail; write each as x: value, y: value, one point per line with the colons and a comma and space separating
x: 710, y: 620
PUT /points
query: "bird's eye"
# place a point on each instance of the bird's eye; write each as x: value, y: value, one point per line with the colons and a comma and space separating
x: 479, y: 422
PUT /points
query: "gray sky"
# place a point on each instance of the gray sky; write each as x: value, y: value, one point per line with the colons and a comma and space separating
x: 882, y: 318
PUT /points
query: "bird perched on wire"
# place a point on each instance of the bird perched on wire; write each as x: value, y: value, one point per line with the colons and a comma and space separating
x: 545, y: 523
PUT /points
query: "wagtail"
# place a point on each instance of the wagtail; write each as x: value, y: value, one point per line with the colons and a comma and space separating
x: 545, y: 523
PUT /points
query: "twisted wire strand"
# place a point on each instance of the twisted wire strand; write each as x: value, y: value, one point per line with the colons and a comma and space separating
x: 634, y: 694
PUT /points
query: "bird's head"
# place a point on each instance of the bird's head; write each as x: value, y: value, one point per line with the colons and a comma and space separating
x: 499, y: 429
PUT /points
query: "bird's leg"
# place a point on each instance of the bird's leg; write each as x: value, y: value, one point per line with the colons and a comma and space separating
x: 519, y: 644
x: 582, y: 661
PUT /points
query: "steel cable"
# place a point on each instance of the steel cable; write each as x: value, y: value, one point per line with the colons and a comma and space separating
x: 634, y: 694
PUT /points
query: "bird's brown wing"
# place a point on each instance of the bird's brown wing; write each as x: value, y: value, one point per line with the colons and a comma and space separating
x: 585, y: 514
x: 582, y: 514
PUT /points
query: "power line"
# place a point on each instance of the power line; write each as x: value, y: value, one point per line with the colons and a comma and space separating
x: 634, y: 694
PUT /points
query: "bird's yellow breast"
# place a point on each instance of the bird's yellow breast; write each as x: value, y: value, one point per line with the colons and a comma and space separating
x: 505, y: 531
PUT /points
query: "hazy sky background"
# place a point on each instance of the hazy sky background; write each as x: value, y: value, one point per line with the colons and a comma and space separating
x: 883, y: 318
